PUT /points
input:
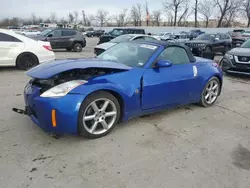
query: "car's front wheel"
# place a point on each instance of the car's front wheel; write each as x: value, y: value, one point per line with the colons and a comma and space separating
x: 98, y: 115
x: 210, y: 92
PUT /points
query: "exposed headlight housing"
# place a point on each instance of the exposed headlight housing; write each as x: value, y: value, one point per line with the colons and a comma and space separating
x: 229, y: 56
x: 62, y: 89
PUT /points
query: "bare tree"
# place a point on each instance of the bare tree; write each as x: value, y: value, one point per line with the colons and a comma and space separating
x: 89, y: 18
x: 246, y: 10
x: 76, y: 16
x: 184, y: 15
x: 232, y: 12
x: 175, y: 6
x: 205, y: 8
x: 102, y: 17
x: 33, y: 19
x: 224, y: 7
x: 147, y: 13
x: 84, y: 18
x: 156, y: 17
x: 139, y: 13
x: 71, y: 18
x: 196, y: 14
x: 136, y: 14
x: 121, y: 19
x: 53, y: 17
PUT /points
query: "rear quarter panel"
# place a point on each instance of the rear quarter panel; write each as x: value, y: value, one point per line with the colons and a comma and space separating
x: 206, y: 70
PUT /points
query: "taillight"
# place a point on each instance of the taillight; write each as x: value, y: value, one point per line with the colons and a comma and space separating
x: 47, y: 47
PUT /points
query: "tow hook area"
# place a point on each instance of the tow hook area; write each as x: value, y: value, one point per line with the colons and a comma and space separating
x: 26, y: 111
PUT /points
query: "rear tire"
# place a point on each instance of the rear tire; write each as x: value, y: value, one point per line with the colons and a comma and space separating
x: 210, y: 92
x: 26, y: 61
x: 77, y: 47
x: 95, y: 120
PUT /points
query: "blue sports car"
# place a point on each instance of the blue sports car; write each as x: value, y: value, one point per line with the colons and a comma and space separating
x: 90, y: 96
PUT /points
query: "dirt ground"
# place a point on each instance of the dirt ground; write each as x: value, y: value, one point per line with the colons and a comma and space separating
x: 187, y: 147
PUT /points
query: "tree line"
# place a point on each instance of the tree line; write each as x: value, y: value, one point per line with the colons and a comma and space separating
x: 173, y: 13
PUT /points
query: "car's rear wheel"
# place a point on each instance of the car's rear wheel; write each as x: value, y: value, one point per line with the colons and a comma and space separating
x: 210, y: 92
x: 77, y: 47
x: 98, y: 115
x: 26, y: 61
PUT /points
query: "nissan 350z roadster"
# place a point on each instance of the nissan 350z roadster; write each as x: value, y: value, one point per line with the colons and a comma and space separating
x: 90, y: 96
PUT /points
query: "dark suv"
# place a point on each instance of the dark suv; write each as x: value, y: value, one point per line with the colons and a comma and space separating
x: 62, y: 38
x: 118, y: 32
x: 214, y: 43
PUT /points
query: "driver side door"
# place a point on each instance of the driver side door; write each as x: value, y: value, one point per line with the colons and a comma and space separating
x: 170, y: 86
x: 55, y: 38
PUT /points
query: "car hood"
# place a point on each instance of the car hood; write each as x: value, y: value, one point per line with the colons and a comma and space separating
x: 198, y: 42
x: 240, y: 51
x: 106, y: 45
x: 49, y: 69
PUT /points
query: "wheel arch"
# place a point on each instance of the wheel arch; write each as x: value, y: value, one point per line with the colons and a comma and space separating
x: 26, y: 52
x: 117, y: 95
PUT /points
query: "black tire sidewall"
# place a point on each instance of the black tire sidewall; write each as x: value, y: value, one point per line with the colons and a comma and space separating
x: 202, y: 100
x: 19, y: 62
x: 75, y: 47
x: 99, y: 94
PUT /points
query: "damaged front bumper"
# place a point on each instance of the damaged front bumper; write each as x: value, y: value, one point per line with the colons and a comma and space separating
x: 53, y: 115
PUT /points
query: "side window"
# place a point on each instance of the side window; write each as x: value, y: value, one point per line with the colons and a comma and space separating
x: 68, y: 33
x: 227, y: 36
x: 175, y: 54
x: 222, y: 37
x: 56, y: 33
x: 7, y: 38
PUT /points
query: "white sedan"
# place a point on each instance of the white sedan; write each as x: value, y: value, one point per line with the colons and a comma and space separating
x: 123, y: 38
x: 23, y: 52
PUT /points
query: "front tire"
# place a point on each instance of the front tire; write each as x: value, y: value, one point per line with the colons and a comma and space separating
x: 77, y: 47
x: 98, y: 115
x: 26, y: 61
x: 210, y: 92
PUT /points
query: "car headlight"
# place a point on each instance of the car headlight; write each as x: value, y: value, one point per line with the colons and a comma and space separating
x: 62, y: 89
x: 229, y: 56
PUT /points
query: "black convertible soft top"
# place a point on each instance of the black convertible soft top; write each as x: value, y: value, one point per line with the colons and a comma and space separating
x: 166, y: 44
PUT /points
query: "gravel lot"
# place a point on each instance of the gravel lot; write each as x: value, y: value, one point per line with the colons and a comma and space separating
x: 186, y: 147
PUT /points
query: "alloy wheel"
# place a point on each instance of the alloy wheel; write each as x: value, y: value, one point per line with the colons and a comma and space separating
x: 99, y: 116
x: 211, y: 92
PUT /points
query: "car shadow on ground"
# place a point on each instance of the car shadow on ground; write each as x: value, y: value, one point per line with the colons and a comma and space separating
x: 8, y: 69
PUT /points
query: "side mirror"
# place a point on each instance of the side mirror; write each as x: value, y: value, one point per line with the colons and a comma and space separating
x: 163, y: 63
x: 50, y: 35
x: 216, y: 39
x: 238, y: 45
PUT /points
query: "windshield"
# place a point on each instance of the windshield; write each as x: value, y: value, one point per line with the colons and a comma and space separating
x: 246, y: 44
x: 45, y: 32
x: 122, y: 38
x: 117, y: 32
x: 130, y: 54
x: 205, y: 37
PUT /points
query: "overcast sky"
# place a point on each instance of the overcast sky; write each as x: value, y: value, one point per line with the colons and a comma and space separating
x: 43, y: 8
